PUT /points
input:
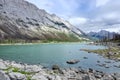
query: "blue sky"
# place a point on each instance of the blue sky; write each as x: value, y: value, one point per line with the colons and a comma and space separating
x: 88, y: 15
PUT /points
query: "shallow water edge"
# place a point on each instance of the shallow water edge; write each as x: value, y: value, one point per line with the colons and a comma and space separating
x: 21, y: 71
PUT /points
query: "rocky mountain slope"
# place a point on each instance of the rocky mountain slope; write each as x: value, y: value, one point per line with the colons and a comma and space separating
x: 20, y: 19
x: 102, y: 34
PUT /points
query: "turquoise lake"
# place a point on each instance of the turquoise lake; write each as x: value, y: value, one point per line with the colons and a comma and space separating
x: 57, y: 53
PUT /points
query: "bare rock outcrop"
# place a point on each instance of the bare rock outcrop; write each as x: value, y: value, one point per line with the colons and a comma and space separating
x: 20, y: 19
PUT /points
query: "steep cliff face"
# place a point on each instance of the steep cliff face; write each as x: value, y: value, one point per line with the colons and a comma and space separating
x: 20, y: 19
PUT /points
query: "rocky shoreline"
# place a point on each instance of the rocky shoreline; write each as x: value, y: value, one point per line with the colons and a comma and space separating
x: 21, y: 71
x: 111, y: 52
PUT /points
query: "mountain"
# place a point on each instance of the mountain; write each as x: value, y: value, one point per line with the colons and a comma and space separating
x: 115, y: 29
x: 102, y: 34
x: 22, y: 20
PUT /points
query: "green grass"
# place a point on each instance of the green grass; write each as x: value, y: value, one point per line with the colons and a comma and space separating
x: 29, y: 78
x: 14, y: 69
x: 55, y: 37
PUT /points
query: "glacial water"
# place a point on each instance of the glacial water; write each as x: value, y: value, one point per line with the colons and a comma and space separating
x: 57, y: 53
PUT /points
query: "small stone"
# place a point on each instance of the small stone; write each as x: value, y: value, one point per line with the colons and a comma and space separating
x: 107, y: 77
x: 89, y: 52
x: 116, y: 76
x: 117, y: 66
x: 55, y: 67
x: 58, y: 78
x: 92, y: 77
x: 90, y: 70
x: 98, y: 61
x: 85, y: 57
x: 98, y: 74
x: 107, y: 61
x: 85, y: 77
x: 82, y: 71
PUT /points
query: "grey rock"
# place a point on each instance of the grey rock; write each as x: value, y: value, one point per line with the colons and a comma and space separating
x: 107, y: 61
x: 2, y: 65
x: 17, y: 76
x: 91, y: 76
x: 55, y: 67
x: 82, y: 71
x: 107, y: 77
x: 47, y: 74
x: 17, y: 65
x: 3, y: 76
x: 91, y: 70
x: 33, y: 68
x: 98, y: 74
x: 85, y: 77
x: 103, y: 65
x: 70, y: 74
x: 58, y: 78
x: 74, y: 61
x: 75, y: 70
x: 116, y: 76
x: 85, y: 57
x: 39, y: 77
x: 117, y: 66
x: 98, y: 61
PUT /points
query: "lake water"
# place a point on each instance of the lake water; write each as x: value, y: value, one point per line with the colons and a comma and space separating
x: 58, y: 53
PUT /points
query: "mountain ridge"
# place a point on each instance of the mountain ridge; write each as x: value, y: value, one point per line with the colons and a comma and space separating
x: 102, y: 34
x: 20, y: 19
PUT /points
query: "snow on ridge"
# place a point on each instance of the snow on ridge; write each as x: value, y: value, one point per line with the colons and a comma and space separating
x: 117, y: 30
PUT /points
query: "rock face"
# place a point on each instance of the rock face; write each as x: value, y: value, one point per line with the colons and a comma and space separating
x: 20, y: 19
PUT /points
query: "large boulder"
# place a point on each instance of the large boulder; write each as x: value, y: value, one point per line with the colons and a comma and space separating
x: 2, y: 65
x: 74, y: 61
x: 33, y: 68
x: 17, y: 76
x: 3, y: 76
x: 116, y: 76
x: 39, y: 77
x: 17, y: 65
x: 107, y: 77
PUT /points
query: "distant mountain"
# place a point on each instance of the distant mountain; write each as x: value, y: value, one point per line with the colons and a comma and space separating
x: 20, y: 19
x: 102, y: 34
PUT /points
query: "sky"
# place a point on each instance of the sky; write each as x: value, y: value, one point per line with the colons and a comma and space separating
x: 88, y: 15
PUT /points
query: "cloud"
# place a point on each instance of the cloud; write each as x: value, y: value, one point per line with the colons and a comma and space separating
x: 71, y: 8
x: 106, y: 16
x: 114, y: 29
x: 87, y: 15
x: 101, y: 2
x: 78, y: 20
